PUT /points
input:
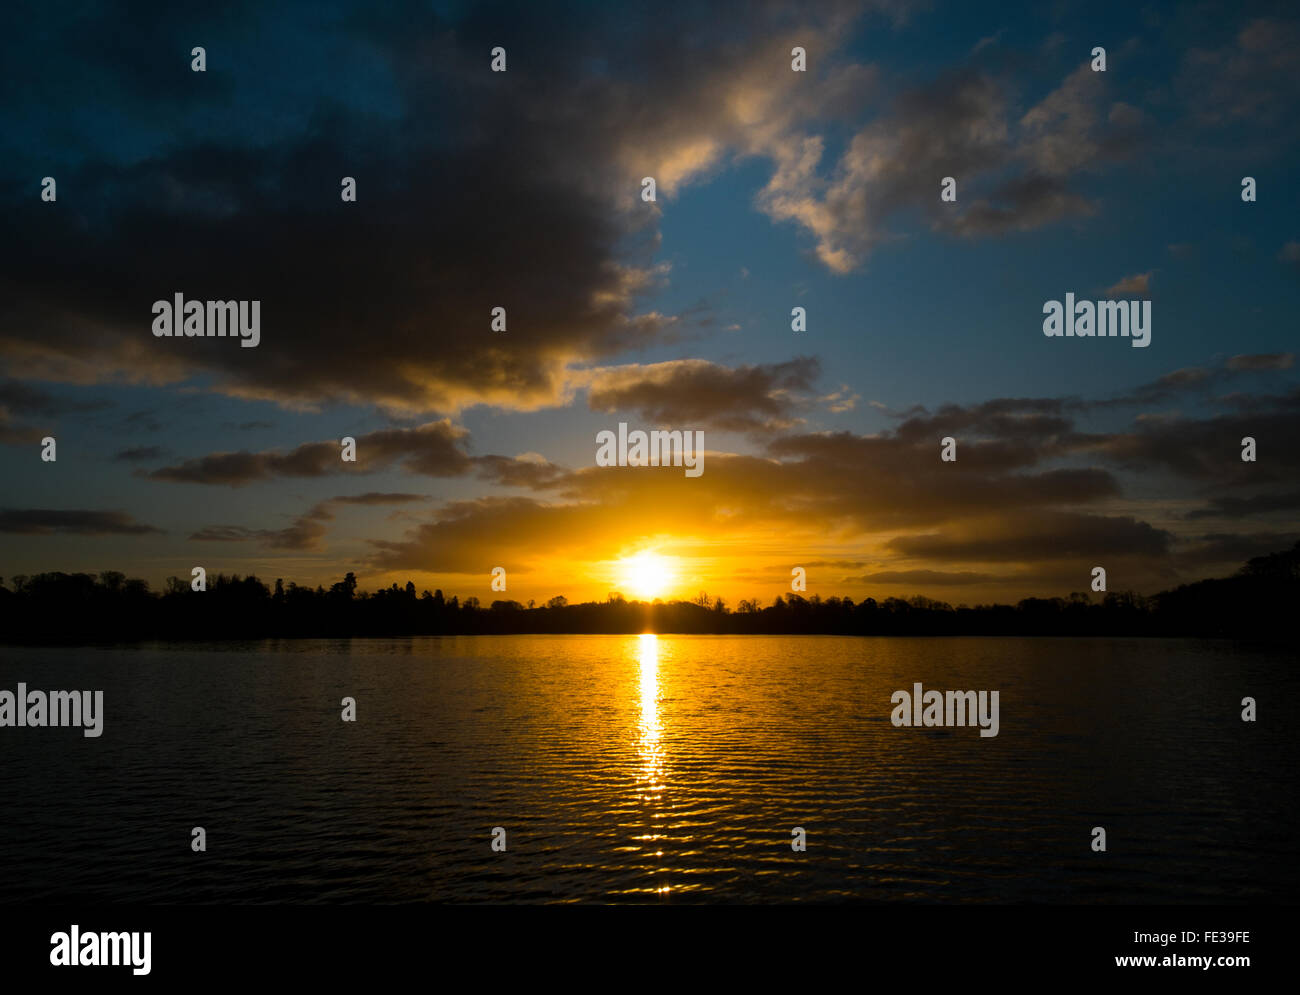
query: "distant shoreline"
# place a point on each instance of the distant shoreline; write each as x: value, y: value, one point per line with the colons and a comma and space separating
x: 233, y: 643
x: 1259, y: 602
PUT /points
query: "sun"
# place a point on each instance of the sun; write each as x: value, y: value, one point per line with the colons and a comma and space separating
x: 646, y: 575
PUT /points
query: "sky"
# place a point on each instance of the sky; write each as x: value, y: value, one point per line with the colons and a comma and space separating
x: 774, y: 190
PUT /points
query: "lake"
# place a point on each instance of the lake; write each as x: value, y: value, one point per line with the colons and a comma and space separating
x: 653, y: 769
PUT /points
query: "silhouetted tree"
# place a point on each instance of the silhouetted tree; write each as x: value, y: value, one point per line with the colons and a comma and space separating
x: 1258, y: 601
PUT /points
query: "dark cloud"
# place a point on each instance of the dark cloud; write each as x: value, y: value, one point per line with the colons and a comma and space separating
x: 473, y: 536
x: 13, y: 433
x: 26, y: 399
x: 1254, y: 402
x: 1013, y: 172
x: 436, y: 449
x: 1196, y: 380
x: 1230, y: 506
x: 1209, y: 450
x: 1032, y: 537
x: 21, y: 401
x: 536, y: 474
x: 1233, y: 547
x: 378, y: 497
x: 304, y: 534
x: 1163, y: 388
x: 1072, y: 129
x: 475, y: 190
x: 433, y: 449
x: 1021, y: 204
x: 474, y: 199
x: 307, y: 530
x: 1252, y: 79
x: 699, y: 393
x: 46, y: 521
x: 926, y: 578
x: 1263, y: 361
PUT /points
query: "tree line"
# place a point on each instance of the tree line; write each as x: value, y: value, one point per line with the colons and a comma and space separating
x: 1258, y: 601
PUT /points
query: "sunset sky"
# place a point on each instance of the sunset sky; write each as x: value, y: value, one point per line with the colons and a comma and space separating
x: 776, y: 190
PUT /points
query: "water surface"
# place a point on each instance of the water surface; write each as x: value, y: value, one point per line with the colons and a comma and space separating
x: 661, y: 769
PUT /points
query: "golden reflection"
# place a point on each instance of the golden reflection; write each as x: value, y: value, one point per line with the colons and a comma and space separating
x: 651, y: 728
x: 650, y: 778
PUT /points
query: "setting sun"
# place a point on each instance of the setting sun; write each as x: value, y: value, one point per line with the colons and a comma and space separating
x: 646, y: 575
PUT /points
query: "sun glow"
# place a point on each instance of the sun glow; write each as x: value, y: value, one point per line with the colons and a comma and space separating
x: 646, y: 575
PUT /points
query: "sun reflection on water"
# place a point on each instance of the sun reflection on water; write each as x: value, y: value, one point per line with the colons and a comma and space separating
x: 651, y: 728
x: 650, y: 783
